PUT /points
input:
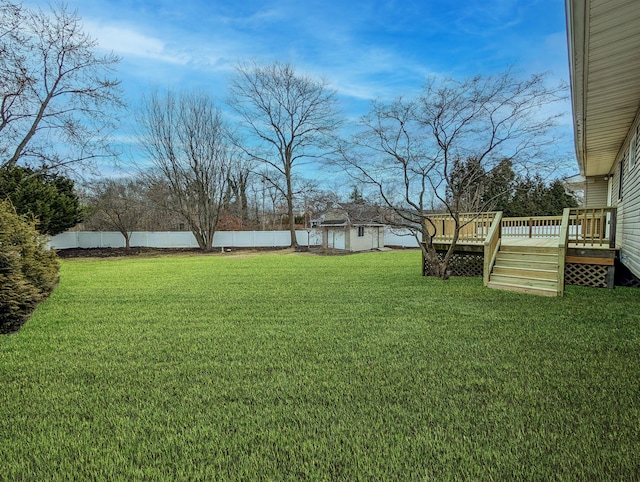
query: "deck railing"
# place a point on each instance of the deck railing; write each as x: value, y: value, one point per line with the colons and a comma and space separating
x: 492, y: 246
x: 594, y: 227
x: 474, y: 227
x: 531, y: 227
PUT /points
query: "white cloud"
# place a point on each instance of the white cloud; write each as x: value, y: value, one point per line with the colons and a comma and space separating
x: 126, y: 41
x: 374, y: 74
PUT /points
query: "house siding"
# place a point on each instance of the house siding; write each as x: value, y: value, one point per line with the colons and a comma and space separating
x: 596, y: 192
x: 629, y: 221
x: 628, y: 215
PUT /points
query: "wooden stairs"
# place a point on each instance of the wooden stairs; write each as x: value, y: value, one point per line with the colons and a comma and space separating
x: 526, y: 269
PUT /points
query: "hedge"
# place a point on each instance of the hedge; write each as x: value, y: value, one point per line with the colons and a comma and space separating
x: 29, y: 272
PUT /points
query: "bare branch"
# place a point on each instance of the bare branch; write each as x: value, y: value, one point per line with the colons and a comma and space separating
x: 58, y: 105
x: 432, y: 153
x: 189, y: 145
x: 289, y: 117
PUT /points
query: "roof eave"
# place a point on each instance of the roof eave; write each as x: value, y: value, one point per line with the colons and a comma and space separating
x: 577, y: 46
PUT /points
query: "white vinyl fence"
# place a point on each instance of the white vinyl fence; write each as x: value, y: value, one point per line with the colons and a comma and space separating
x: 399, y: 237
x: 222, y: 239
x: 183, y: 239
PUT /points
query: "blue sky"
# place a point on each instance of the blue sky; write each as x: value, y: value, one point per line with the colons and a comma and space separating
x: 365, y: 49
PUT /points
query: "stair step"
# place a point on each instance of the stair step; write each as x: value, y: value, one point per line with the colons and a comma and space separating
x: 524, y: 281
x: 524, y: 289
x: 532, y: 248
x: 528, y: 272
x: 527, y: 263
x: 526, y: 255
x: 526, y: 269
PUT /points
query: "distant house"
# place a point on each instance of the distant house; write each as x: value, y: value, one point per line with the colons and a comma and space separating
x: 604, y: 54
x: 351, y: 227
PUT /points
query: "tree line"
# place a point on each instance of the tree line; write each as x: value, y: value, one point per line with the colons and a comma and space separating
x: 443, y: 149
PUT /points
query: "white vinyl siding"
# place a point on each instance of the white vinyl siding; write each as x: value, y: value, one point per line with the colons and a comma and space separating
x: 627, y: 183
x: 596, y: 193
x: 628, y: 235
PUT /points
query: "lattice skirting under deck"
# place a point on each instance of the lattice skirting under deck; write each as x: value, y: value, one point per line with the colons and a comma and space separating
x: 586, y: 275
x: 462, y: 264
x: 471, y: 264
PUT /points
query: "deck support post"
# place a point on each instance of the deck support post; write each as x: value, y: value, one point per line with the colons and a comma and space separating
x: 612, y: 228
x: 562, y: 248
x: 611, y: 277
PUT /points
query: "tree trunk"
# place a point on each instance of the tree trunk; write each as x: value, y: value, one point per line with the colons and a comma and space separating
x: 292, y: 226
x: 433, y: 260
x: 437, y: 266
x: 200, y: 239
x: 211, y: 231
x: 292, y: 219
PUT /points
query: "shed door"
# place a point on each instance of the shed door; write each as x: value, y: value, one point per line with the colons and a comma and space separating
x: 337, y: 239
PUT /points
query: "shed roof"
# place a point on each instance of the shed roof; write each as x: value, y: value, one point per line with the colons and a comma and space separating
x: 352, y: 214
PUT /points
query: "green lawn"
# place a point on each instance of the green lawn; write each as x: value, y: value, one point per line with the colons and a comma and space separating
x: 296, y: 367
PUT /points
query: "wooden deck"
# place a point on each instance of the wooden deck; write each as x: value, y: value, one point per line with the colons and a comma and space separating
x: 573, y: 249
x: 535, y: 254
x: 533, y: 242
x: 476, y: 245
x: 552, y: 242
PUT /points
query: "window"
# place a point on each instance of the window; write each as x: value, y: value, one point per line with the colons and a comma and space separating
x: 634, y: 149
x: 360, y: 231
x: 621, y: 174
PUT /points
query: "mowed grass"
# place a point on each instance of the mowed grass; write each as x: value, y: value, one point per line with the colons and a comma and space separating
x: 296, y: 367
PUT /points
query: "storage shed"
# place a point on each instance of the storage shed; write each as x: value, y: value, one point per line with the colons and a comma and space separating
x: 352, y: 227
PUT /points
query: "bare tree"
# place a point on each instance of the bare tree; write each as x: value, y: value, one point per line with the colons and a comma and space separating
x: 188, y: 143
x: 236, y: 201
x: 317, y: 201
x: 429, y: 153
x: 289, y: 117
x: 273, y: 190
x: 118, y: 203
x: 57, y: 102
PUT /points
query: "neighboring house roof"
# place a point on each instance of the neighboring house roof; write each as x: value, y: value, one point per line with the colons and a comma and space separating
x: 352, y: 214
x: 604, y: 58
x: 574, y: 183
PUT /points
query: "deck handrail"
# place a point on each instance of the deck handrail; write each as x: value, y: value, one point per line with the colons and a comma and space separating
x: 593, y: 226
x: 563, y: 242
x: 474, y: 226
x: 492, y: 246
x: 531, y: 226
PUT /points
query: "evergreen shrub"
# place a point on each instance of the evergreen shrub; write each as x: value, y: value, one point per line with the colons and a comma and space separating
x: 29, y: 272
